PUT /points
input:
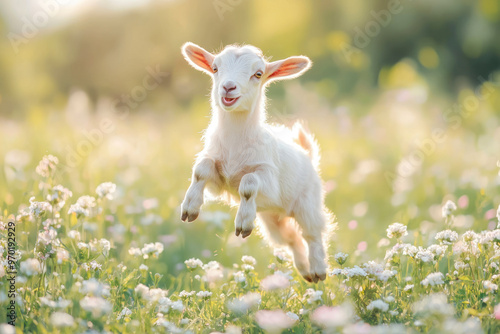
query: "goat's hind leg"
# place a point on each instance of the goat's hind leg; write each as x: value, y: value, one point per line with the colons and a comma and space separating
x: 283, y: 231
x: 313, y: 223
x: 204, y: 171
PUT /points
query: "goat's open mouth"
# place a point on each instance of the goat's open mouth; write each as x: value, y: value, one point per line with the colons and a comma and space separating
x: 228, y: 101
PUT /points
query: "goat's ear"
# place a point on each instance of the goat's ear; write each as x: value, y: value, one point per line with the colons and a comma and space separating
x: 288, y: 68
x: 198, y: 57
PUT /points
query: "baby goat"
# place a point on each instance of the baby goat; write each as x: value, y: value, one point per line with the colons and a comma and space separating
x: 272, y: 171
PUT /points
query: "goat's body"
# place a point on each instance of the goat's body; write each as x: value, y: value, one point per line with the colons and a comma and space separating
x: 269, y: 170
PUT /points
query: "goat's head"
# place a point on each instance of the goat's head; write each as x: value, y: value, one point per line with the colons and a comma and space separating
x: 240, y: 73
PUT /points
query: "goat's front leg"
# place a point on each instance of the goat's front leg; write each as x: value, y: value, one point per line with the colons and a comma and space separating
x: 245, y: 217
x: 203, y: 171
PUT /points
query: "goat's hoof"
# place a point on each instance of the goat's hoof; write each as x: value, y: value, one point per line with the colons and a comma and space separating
x: 318, y: 277
x: 238, y: 231
x: 193, y: 216
x: 184, y: 216
x: 189, y: 216
x: 245, y: 233
x: 308, y: 278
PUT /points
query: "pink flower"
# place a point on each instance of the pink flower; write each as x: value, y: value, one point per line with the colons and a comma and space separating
x: 362, y: 246
x: 273, y: 321
x: 490, y: 214
x: 496, y: 313
x: 463, y: 202
x: 352, y: 224
x: 275, y: 282
x: 332, y: 317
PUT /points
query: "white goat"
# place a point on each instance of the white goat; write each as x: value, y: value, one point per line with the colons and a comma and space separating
x: 268, y: 169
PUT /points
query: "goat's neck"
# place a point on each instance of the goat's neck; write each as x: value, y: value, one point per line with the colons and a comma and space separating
x: 238, y: 124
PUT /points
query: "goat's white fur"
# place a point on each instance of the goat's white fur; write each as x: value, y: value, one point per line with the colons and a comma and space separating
x: 269, y: 169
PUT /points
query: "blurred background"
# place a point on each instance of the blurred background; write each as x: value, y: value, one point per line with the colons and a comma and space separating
x: 403, y: 97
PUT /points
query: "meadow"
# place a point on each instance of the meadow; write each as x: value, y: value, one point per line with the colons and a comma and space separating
x: 100, y: 247
x: 101, y: 119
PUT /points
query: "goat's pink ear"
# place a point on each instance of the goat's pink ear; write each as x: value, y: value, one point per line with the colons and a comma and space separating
x: 198, y: 57
x: 288, y: 68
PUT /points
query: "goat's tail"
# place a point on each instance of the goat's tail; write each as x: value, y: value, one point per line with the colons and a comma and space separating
x: 306, y: 140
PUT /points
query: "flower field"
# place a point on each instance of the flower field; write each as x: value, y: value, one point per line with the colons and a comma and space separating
x: 113, y: 257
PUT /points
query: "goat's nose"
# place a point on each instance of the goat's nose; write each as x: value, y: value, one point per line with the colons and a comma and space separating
x: 229, y: 86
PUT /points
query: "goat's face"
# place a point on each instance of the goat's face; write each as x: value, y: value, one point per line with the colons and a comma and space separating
x: 237, y: 78
x: 240, y: 73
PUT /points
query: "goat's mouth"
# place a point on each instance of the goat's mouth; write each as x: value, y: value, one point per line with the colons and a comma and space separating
x: 229, y: 101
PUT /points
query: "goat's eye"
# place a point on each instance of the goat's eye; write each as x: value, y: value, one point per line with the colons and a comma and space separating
x: 214, y: 69
x: 258, y: 75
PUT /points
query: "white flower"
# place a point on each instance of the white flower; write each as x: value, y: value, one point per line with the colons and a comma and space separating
x: 135, y: 251
x: 447, y: 237
x: 153, y: 248
x: 292, y: 316
x: 249, y: 260
x: 355, y: 272
x: 97, y: 306
x: 47, y: 165
x: 312, y: 295
x: 448, y: 209
x: 186, y: 294
x: 424, y: 255
x: 74, y: 235
x: 397, y: 231
x: 408, y: 287
x: 489, y: 286
x: 389, y: 299
x: 213, y: 271
x: 273, y: 321
x: 60, y: 303
x: 433, y: 305
x: 59, y: 195
x: 275, y: 282
x: 460, y: 265
x: 125, y: 313
x: 177, y: 306
x: 141, y: 290
x: 94, y: 287
x: 341, y: 258
x: 204, y: 294
x: 239, y: 277
x: 410, y: 250
x: 332, y: 317
x: 437, y: 250
x: 106, y: 190
x: 61, y: 319
x: 386, y: 274
x: 193, y: 263
x: 244, y: 303
x: 94, y: 265
x: 143, y: 267
x: 31, y: 267
x: 86, y: 202
x: 282, y: 255
x: 78, y: 210
x: 433, y: 279
x: 469, y: 236
x: 378, y: 305
x: 7, y: 329
x: 37, y: 209
x: 247, y: 267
